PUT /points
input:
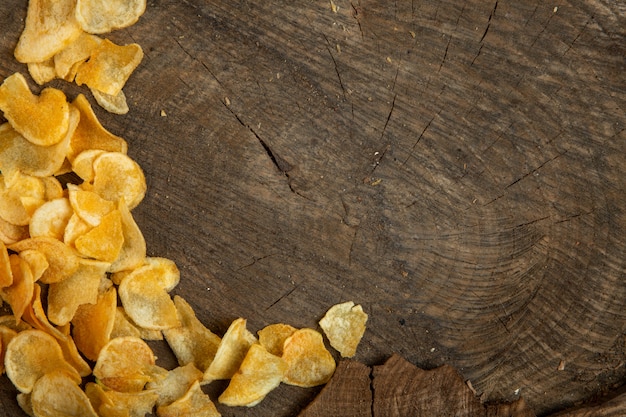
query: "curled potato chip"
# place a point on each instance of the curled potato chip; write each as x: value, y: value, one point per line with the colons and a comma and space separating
x: 11, y: 233
x: 43, y: 120
x: 6, y: 275
x: 191, y: 342
x: 32, y: 354
x: 259, y: 373
x: 89, y: 206
x: 113, y: 103
x: 57, y: 394
x: 6, y: 334
x: 19, y: 294
x: 103, y: 16
x: 195, y: 403
x: 62, y: 260
x: 133, y: 252
x: 81, y: 287
x: 175, y: 384
x: 230, y: 352
x: 310, y: 363
x: 344, y: 325
x: 42, y: 72
x: 126, y: 364
x: 104, y: 242
x: 51, y: 218
x: 50, y: 26
x: 91, y: 135
x: 144, y: 294
x: 36, y: 261
x: 109, y: 66
x: 92, y: 324
x: 273, y: 337
x: 110, y: 403
x: 124, y: 326
x: 117, y: 176
x: 65, y: 61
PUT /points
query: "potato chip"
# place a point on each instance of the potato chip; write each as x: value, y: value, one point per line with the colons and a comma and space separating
x: 75, y: 228
x: 109, y: 67
x: 133, y: 252
x: 51, y: 218
x: 91, y: 135
x: 126, y: 364
x: 144, y: 294
x: 52, y: 188
x: 62, y: 260
x: 195, y: 403
x: 8, y: 320
x: 42, y: 72
x: 36, y: 261
x: 82, y: 165
x: 110, y: 403
x: 92, y: 324
x: 310, y: 363
x: 57, y: 394
x: 66, y: 61
x: 6, y: 275
x: 11, y: 233
x: 104, y: 242
x: 192, y: 342
x: 12, y: 207
x: 344, y: 325
x: 176, y: 383
x: 124, y: 326
x: 23, y: 400
x: 273, y: 337
x: 115, y: 104
x: 81, y: 287
x: 117, y: 176
x: 19, y: 294
x: 32, y: 354
x: 230, y: 352
x: 50, y: 26
x: 88, y: 205
x: 103, y: 16
x: 6, y: 334
x: 259, y: 373
x: 43, y: 120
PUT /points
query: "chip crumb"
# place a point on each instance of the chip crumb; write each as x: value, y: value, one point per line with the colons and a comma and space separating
x: 163, y: 114
x: 561, y: 366
x: 333, y: 6
x: 227, y: 101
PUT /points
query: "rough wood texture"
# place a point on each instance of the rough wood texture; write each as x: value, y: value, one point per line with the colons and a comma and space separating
x: 348, y: 394
x: 457, y: 167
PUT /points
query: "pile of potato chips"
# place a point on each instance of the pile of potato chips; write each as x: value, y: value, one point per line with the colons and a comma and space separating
x: 84, y: 295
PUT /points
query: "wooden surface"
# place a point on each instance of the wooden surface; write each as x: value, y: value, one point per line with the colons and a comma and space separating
x: 455, y: 167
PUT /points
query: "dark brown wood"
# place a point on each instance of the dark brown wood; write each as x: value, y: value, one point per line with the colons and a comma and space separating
x: 456, y: 167
x: 348, y: 394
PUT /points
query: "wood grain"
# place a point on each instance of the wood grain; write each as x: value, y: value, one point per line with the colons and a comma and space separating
x: 455, y: 167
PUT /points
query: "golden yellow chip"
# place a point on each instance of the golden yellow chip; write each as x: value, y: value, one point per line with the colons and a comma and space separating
x: 126, y: 364
x: 57, y: 394
x: 110, y: 403
x: 115, y: 104
x: 259, y: 373
x: 62, y: 260
x: 50, y: 26
x: 82, y: 165
x: 91, y: 135
x: 32, y: 354
x: 273, y: 337
x: 104, y: 242
x: 6, y: 334
x: 11, y: 233
x: 23, y: 400
x: 65, y: 61
x: 103, y: 16
x: 191, y: 342
x: 109, y: 66
x: 344, y: 325
x: 51, y: 218
x: 52, y: 188
x: 75, y: 228
x: 144, y: 294
x: 124, y: 326
x: 88, y: 205
x: 175, y: 384
x: 36, y: 261
x: 195, y: 403
x: 310, y: 363
x: 43, y: 120
x: 42, y: 72
x: 6, y: 275
x: 133, y: 252
x: 19, y: 294
x: 230, y: 352
x: 117, y: 176
x: 81, y: 287
x: 12, y: 207
x: 92, y: 324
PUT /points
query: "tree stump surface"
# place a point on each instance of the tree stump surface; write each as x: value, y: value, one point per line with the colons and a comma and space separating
x: 455, y: 167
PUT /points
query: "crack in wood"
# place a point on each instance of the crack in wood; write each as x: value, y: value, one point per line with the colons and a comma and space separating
x: 493, y: 13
